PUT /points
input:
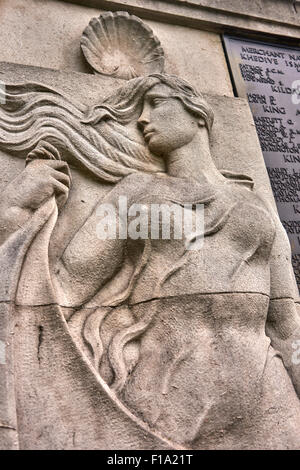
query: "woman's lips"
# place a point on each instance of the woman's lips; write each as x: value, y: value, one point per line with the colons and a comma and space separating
x: 148, y: 135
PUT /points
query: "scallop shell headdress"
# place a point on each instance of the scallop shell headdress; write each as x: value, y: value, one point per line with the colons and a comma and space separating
x: 122, y: 46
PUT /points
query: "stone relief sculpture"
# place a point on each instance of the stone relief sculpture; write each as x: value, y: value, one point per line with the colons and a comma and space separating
x: 121, y: 45
x: 194, y: 346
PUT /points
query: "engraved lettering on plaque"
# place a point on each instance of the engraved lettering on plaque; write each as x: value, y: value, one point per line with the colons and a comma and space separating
x: 268, y: 76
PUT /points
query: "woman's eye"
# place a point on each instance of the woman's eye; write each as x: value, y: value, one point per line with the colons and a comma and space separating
x: 157, y: 101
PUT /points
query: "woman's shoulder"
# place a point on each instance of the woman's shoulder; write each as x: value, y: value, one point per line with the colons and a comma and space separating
x: 136, y: 179
x: 132, y: 186
x: 140, y: 186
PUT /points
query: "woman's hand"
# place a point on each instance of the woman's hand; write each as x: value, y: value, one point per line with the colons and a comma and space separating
x: 44, y: 176
x: 40, y: 180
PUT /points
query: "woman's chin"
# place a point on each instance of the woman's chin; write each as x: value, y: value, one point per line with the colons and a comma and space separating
x: 156, y: 147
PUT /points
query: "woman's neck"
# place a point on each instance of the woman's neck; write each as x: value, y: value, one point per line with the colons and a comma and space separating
x: 194, y: 159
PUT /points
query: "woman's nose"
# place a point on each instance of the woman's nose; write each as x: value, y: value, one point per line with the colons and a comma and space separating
x: 143, y: 120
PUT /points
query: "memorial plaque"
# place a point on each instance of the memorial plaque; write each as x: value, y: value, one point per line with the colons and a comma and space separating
x: 268, y: 75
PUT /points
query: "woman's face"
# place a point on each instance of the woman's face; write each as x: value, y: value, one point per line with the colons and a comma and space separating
x: 165, y: 123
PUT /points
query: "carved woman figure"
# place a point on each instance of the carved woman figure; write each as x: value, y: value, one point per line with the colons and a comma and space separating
x: 198, y: 344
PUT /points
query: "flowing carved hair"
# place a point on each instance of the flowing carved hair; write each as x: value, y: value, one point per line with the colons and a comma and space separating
x: 125, y: 104
x: 96, y: 137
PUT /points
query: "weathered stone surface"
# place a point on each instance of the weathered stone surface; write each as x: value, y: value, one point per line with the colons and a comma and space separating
x: 140, y: 343
x: 277, y: 17
x: 46, y: 33
x: 264, y: 9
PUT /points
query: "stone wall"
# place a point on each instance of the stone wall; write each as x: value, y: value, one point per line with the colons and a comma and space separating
x: 276, y: 17
x: 46, y: 33
x: 216, y: 325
